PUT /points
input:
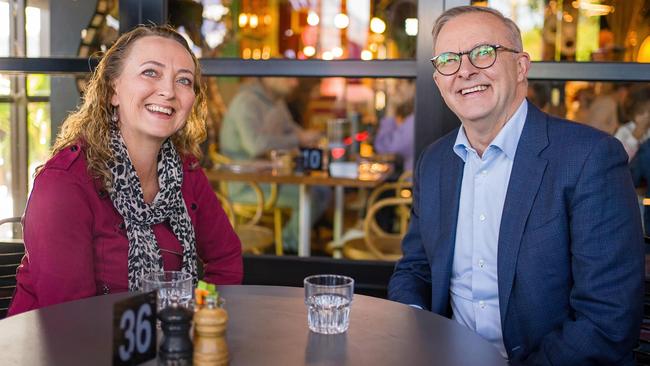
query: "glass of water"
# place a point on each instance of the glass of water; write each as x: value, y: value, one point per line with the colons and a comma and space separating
x: 328, y: 298
x: 170, y: 284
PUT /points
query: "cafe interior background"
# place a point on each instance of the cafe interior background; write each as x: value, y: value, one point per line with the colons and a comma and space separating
x: 349, y: 56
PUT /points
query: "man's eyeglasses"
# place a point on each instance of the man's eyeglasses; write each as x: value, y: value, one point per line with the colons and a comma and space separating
x: 481, y: 56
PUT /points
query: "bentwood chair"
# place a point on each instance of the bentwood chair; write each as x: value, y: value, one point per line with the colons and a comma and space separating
x: 353, y: 244
x: 11, y: 253
x: 376, y: 243
x: 254, y: 238
x: 249, y: 214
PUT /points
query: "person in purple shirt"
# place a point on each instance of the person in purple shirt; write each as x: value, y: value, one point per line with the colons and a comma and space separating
x: 396, y: 130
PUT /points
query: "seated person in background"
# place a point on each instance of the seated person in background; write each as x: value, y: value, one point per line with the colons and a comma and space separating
x: 635, y: 132
x: 122, y: 194
x: 604, y: 112
x: 396, y: 130
x: 258, y: 121
x: 524, y: 227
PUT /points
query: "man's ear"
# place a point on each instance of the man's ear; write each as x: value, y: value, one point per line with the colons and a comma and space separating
x: 523, y: 66
x: 435, y: 79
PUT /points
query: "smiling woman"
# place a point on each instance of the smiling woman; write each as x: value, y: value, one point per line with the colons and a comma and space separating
x: 154, y: 94
x: 122, y: 194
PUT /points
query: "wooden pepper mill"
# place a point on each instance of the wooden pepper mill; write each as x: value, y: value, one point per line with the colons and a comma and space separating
x: 210, y: 323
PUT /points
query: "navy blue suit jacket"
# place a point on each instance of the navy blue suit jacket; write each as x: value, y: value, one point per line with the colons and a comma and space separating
x: 570, y: 253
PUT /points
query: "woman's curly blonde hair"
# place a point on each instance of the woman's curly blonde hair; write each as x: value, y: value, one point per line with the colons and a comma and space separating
x: 91, y: 123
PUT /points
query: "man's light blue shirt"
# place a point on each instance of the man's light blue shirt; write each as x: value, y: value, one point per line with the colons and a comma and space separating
x: 474, y: 285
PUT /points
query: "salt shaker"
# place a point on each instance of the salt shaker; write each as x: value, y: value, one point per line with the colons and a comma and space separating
x: 210, y: 323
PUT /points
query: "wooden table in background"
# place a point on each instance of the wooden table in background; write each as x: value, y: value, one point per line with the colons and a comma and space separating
x: 365, y: 180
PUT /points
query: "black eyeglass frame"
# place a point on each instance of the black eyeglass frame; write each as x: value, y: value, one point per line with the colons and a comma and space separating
x: 496, y: 47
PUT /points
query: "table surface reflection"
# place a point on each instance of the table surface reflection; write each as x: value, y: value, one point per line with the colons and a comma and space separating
x: 268, y: 326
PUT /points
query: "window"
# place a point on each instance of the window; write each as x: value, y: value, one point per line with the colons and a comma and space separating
x: 308, y: 29
x: 581, y: 30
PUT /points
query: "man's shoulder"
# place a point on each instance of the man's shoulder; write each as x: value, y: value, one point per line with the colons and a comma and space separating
x: 567, y: 144
x: 558, y: 125
x: 565, y: 134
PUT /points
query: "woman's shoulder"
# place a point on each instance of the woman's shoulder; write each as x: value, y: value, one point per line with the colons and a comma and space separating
x: 66, y: 158
x: 69, y: 162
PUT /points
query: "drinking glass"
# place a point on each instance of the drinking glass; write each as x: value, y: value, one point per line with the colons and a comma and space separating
x: 328, y: 298
x: 282, y: 161
x: 170, y: 284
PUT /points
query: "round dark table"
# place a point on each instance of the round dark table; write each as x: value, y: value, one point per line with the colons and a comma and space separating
x: 268, y: 326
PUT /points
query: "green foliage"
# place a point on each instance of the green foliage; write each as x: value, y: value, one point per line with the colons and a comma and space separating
x: 38, y: 135
x: 38, y: 85
x: 532, y: 41
x: 587, y: 37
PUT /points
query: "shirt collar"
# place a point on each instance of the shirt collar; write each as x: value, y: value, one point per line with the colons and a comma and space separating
x: 506, y: 140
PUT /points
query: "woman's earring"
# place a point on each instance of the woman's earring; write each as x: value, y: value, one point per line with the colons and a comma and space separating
x: 114, y: 116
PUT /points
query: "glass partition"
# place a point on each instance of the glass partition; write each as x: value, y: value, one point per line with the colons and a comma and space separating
x: 5, y: 24
x: 37, y: 28
x: 313, y: 103
x: 6, y: 196
x: 38, y: 137
x: 604, y: 105
x: 581, y: 30
x: 32, y: 115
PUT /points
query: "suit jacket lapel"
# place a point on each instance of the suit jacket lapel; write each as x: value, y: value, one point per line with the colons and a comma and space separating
x: 525, y: 179
x: 450, y: 180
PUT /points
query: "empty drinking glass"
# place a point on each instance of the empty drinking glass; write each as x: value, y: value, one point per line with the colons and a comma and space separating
x: 328, y: 299
x: 169, y: 284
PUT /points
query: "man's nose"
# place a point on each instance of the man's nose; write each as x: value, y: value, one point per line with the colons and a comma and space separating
x: 467, y: 69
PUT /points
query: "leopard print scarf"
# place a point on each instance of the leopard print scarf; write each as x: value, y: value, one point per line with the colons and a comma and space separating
x: 128, y: 199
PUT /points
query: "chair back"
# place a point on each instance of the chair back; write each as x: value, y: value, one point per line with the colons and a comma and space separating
x: 376, y: 243
x: 382, y: 244
x: 251, y: 220
x: 11, y: 254
x: 254, y: 238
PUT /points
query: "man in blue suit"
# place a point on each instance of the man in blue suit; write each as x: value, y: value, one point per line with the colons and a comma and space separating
x: 525, y: 227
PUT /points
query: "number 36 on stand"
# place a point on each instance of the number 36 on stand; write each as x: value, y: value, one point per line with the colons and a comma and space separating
x: 134, y: 330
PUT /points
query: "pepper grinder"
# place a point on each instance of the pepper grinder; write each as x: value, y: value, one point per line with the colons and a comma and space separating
x: 176, y: 346
x: 210, y: 323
